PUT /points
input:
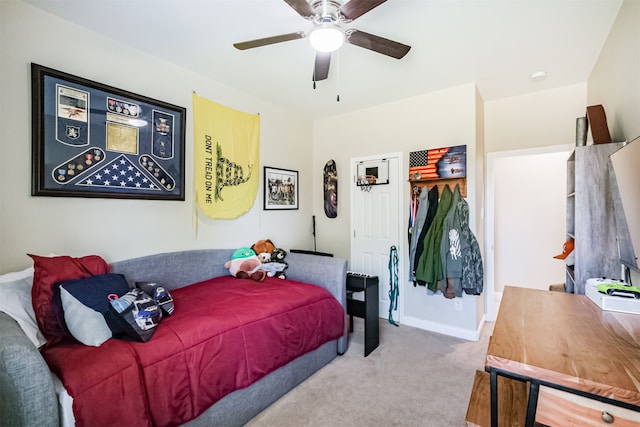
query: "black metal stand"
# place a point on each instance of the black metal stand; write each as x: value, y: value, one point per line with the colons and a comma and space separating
x: 367, y: 309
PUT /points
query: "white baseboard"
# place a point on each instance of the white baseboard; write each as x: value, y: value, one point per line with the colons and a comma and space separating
x: 441, y: 328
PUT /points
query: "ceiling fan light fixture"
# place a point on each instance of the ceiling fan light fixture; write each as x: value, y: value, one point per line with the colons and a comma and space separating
x: 326, y: 38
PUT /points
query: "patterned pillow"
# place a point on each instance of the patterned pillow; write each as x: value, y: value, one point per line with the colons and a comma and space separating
x: 160, y: 295
x: 137, y: 314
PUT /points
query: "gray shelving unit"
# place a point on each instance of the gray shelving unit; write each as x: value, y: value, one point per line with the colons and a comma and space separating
x: 591, y: 215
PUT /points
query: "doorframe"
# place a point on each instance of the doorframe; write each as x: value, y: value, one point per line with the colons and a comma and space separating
x: 400, y: 188
x: 492, y: 298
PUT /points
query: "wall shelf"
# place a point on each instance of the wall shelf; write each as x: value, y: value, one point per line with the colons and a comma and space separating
x: 441, y: 183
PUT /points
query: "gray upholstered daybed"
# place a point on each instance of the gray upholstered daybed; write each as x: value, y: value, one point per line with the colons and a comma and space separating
x: 27, y: 392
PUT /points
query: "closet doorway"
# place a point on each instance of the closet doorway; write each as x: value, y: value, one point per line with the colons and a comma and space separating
x: 525, y: 221
x: 376, y: 225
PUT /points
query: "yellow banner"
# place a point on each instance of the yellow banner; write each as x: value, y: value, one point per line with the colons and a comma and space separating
x: 227, y: 157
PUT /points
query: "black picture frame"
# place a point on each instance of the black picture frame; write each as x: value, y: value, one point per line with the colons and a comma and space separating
x: 94, y: 140
x: 281, y: 189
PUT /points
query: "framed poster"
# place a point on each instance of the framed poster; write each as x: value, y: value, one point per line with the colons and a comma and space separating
x: 280, y: 189
x: 93, y: 140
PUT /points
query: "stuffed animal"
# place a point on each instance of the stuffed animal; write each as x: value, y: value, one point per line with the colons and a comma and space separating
x: 276, y: 264
x: 274, y: 269
x: 263, y: 249
x: 245, y: 264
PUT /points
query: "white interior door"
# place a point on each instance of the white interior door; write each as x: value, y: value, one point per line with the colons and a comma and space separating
x: 375, y: 227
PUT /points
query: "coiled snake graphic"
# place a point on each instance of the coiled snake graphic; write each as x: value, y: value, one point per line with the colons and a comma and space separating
x: 228, y: 173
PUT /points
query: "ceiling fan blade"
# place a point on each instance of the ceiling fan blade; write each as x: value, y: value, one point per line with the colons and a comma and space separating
x: 377, y: 44
x: 357, y: 8
x: 303, y: 8
x: 269, y: 40
x: 321, y: 68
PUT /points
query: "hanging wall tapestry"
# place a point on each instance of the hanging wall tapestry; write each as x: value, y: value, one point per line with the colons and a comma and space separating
x: 227, y: 156
x: 94, y: 140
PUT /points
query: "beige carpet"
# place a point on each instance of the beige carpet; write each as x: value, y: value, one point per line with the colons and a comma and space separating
x: 414, y: 378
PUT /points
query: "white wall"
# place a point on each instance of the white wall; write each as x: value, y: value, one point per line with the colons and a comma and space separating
x: 529, y: 218
x: 118, y: 229
x: 544, y: 118
x: 539, y: 121
x: 615, y: 80
x: 439, y: 119
x: 547, y: 118
x: 480, y: 178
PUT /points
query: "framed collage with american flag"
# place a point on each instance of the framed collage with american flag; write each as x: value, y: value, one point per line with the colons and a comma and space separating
x: 94, y: 140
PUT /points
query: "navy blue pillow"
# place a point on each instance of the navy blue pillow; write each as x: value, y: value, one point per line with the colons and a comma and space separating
x: 85, y: 303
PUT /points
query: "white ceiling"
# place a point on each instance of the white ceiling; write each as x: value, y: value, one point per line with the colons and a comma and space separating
x: 495, y: 43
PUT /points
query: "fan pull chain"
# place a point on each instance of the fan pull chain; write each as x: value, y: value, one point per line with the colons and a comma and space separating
x: 338, y: 76
x: 314, y: 78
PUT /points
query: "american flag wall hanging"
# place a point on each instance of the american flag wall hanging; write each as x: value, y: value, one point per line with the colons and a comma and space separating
x: 438, y: 163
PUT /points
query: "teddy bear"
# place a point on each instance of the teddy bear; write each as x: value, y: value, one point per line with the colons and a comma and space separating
x: 245, y: 264
x: 276, y: 264
x: 263, y: 249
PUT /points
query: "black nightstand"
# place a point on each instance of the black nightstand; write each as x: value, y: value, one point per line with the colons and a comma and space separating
x: 367, y: 309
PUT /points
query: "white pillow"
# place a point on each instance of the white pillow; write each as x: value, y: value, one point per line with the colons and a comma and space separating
x: 86, y: 304
x: 15, y: 300
x: 85, y: 324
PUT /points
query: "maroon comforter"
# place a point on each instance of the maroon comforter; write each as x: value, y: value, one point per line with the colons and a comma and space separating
x: 225, y: 334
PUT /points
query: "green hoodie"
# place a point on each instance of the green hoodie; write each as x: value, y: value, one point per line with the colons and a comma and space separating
x: 429, y: 268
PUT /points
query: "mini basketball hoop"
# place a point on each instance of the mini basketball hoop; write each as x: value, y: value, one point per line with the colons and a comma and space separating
x: 365, y: 182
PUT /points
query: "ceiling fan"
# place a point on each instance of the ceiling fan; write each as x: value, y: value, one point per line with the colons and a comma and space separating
x: 328, y: 17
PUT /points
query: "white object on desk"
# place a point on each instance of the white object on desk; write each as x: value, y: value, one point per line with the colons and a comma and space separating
x: 608, y: 302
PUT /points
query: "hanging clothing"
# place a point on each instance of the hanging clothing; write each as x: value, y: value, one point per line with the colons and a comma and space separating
x: 413, y: 208
x: 418, y: 224
x: 472, y: 269
x: 394, y: 290
x: 460, y: 252
x: 432, y: 207
x: 452, y: 246
x: 429, y: 268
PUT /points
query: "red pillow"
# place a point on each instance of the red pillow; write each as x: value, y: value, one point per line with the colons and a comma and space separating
x: 48, y: 271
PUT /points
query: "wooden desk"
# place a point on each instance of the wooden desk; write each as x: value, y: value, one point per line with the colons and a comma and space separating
x: 565, y: 342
